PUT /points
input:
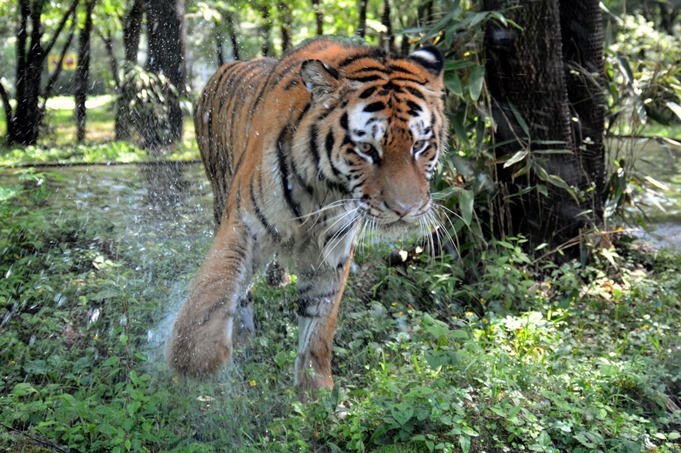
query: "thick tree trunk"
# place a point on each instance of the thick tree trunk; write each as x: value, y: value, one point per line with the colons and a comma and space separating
x: 31, y: 54
x: 530, y: 73
x: 30, y: 57
x: 165, y: 29
x: 83, y: 71
x: 132, y: 28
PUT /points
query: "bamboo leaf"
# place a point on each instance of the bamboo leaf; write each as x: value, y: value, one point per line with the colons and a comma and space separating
x: 517, y: 157
x: 475, y: 80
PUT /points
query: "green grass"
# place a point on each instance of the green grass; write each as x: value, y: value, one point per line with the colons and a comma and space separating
x: 57, y: 141
x: 496, y: 353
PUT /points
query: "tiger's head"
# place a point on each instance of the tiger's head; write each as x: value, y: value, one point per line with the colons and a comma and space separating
x: 380, y: 129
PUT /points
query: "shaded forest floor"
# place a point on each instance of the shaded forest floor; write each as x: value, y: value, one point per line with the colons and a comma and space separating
x: 483, y: 351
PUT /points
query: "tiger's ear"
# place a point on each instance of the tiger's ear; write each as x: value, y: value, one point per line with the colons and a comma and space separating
x: 430, y: 58
x: 319, y: 79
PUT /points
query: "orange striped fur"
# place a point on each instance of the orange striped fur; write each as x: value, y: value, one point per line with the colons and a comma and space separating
x: 302, y: 153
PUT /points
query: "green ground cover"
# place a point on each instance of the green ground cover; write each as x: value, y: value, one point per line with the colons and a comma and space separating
x: 494, y: 352
x: 490, y: 352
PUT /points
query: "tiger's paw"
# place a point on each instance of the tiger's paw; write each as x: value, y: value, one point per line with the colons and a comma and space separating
x: 190, y: 357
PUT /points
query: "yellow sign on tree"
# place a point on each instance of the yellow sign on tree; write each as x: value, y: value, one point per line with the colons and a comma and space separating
x: 69, y: 63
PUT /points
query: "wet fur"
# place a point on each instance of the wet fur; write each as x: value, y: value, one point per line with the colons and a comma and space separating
x: 302, y: 153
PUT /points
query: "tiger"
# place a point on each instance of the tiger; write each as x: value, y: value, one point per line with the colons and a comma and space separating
x: 303, y: 153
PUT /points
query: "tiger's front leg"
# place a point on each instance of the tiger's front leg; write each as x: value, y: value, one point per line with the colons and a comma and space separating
x: 319, y: 294
x: 201, y: 341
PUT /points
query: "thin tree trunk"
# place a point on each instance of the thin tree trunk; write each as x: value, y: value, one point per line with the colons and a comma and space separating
x: 319, y: 16
x: 83, y: 71
x: 387, y: 38
x: 7, y: 106
x: 233, y: 37
x: 286, y: 25
x: 219, y: 48
x: 49, y: 86
x: 108, y: 46
x: 362, y: 26
x: 265, y: 30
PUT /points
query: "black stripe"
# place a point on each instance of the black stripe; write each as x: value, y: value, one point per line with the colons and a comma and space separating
x: 328, y: 143
x: 370, y: 78
x: 368, y: 92
x: 373, y: 107
x: 313, y: 146
x: 398, y: 68
x: 372, y: 53
x: 344, y: 121
x: 284, y: 174
x: 415, y: 91
x: 261, y: 217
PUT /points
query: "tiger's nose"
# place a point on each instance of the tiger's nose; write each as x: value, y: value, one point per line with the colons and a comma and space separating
x: 403, y: 209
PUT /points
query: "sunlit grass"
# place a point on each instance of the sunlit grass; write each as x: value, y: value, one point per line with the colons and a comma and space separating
x: 57, y: 142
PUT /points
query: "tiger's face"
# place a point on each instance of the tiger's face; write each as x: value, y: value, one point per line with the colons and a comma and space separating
x: 388, y: 134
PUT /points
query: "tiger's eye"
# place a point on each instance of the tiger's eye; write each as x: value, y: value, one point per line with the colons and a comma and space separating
x: 369, y: 150
x: 419, y: 145
x: 365, y: 147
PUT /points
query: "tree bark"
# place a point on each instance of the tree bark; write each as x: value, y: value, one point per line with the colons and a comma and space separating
x: 387, y: 38
x: 165, y: 29
x: 286, y: 25
x: 319, y: 16
x: 132, y: 29
x: 83, y: 71
x: 529, y: 72
x: 233, y: 37
x: 31, y: 55
x: 265, y: 30
x: 362, y: 25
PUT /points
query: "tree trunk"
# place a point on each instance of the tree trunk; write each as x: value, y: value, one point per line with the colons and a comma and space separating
x: 265, y: 30
x: 529, y: 72
x: 219, y: 48
x: 132, y: 28
x: 165, y: 29
x: 362, y: 26
x: 83, y: 71
x: 31, y: 54
x: 387, y: 38
x: 319, y: 16
x: 233, y: 37
x: 286, y: 25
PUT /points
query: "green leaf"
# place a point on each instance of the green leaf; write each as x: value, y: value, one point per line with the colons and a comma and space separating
x: 23, y: 389
x: 465, y: 443
x: 453, y: 83
x: 517, y: 157
x: 475, y: 80
x: 466, y: 200
x: 402, y: 412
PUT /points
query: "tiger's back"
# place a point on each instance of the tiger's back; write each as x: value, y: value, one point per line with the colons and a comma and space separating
x: 302, y: 153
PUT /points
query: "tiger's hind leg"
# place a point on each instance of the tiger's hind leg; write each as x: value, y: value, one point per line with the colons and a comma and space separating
x: 201, y: 341
x: 319, y: 295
